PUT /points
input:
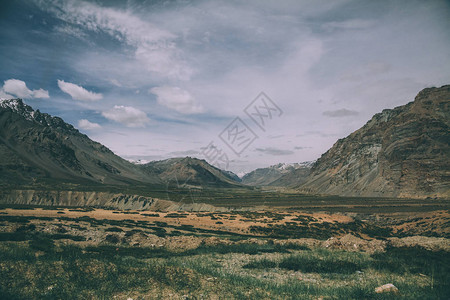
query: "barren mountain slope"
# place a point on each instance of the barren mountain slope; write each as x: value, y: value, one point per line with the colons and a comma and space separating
x: 400, y: 152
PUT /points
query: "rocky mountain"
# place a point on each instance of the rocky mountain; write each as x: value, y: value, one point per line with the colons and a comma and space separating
x: 278, y: 175
x: 36, y: 148
x: 400, y: 152
x: 192, y: 171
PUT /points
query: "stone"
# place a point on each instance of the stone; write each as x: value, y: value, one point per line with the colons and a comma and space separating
x: 387, y: 288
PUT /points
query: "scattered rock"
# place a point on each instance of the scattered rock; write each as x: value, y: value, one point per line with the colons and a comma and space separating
x: 387, y: 288
x: 352, y: 243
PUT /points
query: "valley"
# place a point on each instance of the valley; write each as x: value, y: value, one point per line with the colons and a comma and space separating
x: 274, y: 253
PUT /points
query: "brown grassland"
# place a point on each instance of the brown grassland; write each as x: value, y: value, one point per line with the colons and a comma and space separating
x: 280, y: 252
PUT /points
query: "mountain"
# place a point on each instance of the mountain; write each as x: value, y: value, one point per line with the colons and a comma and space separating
x: 278, y: 175
x: 192, y: 171
x: 400, y: 152
x: 294, y: 177
x: 36, y: 148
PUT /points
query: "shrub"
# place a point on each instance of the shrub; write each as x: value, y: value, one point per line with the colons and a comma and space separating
x: 112, y: 238
x: 42, y: 244
x: 113, y: 229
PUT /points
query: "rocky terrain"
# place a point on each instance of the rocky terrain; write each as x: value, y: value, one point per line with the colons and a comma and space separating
x: 36, y: 148
x: 98, y: 199
x: 278, y: 175
x: 400, y: 152
x: 191, y: 171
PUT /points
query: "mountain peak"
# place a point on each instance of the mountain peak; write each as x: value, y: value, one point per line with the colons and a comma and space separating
x: 277, y: 174
x: 193, y: 170
x: 400, y: 152
x: 39, y: 148
x: 17, y: 106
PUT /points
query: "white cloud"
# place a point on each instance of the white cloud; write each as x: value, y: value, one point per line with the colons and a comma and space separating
x: 176, y: 99
x: 115, y: 82
x: 19, y: 89
x: 86, y: 125
x: 40, y: 93
x: 4, y: 95
x: 154, y: 47
x: 309, y: 57
x: 274, y: 151
x: 127, y: 115
x: 70, y: 31
x: 77, y: 92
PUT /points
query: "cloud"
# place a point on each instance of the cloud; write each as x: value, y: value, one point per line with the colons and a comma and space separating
x: 154, y: 47
x: 352, y: 24
x: 343, y: 112
x: 274, y: 151
x: 115, y: 82
x: 77, y: 92
x: 127, y: 115
x: 176, y: 99
x: 68, y: 30
x: 86, y: 125
x: 296, y: 51
x: 40, y: 93
x: 184, y: 153
x: 4, y: 95
x: 19, y: 89
x: 370, y: 69
x: 378, y: 67
x: 315, y: 133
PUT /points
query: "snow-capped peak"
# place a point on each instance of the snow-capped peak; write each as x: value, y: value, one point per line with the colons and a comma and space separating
x: 287, y: 166
x: 17, y: 105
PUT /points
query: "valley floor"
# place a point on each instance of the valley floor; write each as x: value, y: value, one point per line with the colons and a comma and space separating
x: 86, y: 253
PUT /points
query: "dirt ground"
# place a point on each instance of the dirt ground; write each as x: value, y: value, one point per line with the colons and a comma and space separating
x: 429, y: 229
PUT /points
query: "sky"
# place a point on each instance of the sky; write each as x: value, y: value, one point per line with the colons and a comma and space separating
x: 242, y: 84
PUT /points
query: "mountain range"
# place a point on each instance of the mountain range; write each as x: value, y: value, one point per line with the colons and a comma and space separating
x: 38, y: 148
x: 279, y: 175
x: 400, y: 152
x: 192, y: 171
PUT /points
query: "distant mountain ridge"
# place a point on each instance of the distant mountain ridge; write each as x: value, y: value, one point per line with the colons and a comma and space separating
x: 400, y: 152
x: 273, y: 175
x: 192, y: 171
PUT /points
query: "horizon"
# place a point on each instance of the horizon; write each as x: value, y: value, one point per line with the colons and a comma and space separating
x: 165, y: 79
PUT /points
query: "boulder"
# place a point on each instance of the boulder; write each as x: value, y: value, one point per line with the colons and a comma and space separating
x: 386, y: 288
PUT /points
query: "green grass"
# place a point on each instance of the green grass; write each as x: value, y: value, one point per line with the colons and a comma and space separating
x: 318, y: 261
x: 69, y: 274
x: 101, y: 272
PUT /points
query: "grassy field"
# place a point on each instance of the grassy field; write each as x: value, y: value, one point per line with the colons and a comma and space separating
x: 40, y: 270
x: 85, y: 253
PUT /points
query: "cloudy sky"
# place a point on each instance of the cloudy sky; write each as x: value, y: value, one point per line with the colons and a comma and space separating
x: 158, y: 79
